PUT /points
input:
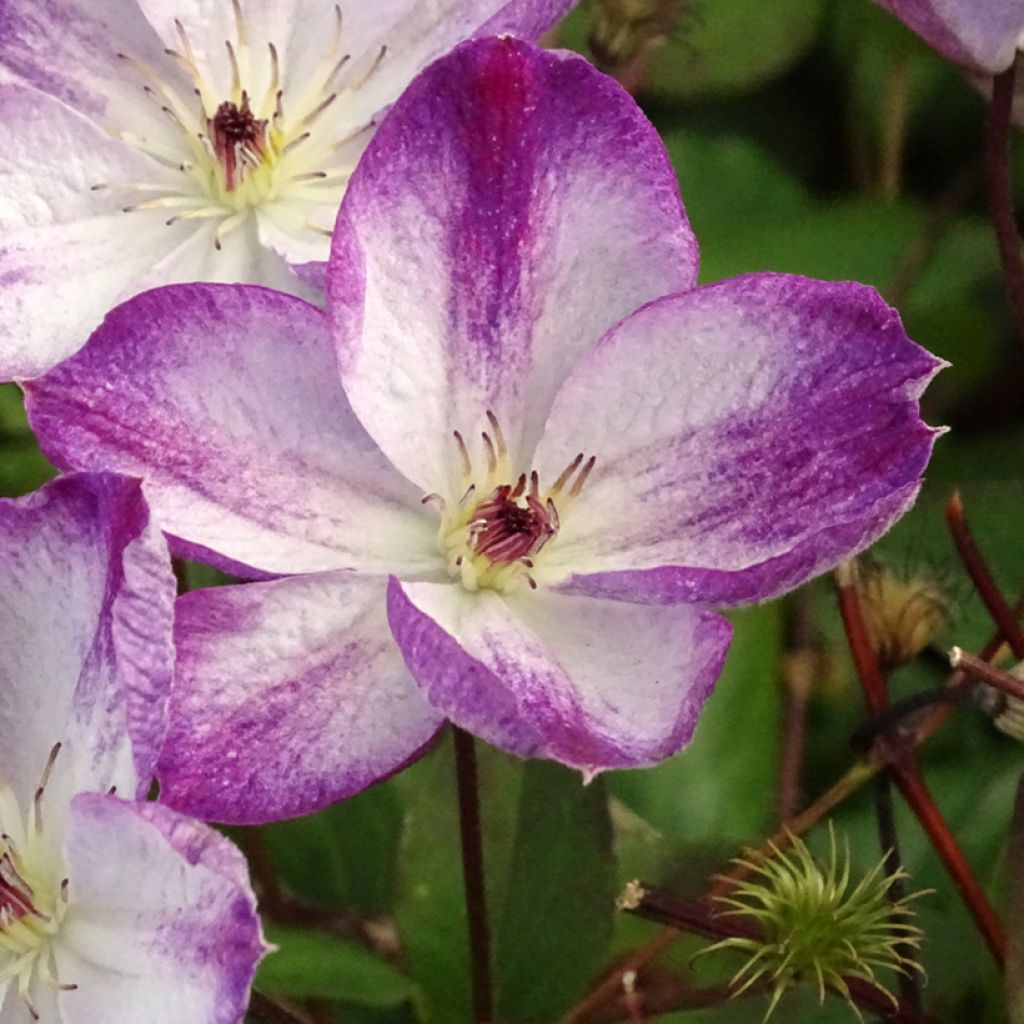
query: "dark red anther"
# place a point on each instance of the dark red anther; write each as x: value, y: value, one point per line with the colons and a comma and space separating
x: 506, y: 531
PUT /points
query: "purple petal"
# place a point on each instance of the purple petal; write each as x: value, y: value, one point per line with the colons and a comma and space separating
x: 595, y: 684
x: 226, y: 401
x: 86, y: 600
x: 289, y: 695
x: 161, y: 923
x: 486, y: 171
x: 748, y: 435
x: 983, y: 34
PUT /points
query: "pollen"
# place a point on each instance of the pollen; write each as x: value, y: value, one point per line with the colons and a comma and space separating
x: 492, y: 536
x: 33, y: 896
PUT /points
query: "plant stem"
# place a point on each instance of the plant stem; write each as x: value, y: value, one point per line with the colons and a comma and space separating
x: 800, y: 666
x: 1000, y: 190
x: 1005, y: 617
x: 908, y: 777
x: 983, y: 671
x: 473, y: 875
x: 269, y: 1011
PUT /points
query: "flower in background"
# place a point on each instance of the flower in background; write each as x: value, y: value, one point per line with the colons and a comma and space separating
x: 202, y: 140
x: 549, y: 452
x: 110, y: 908
x: 983, y: 35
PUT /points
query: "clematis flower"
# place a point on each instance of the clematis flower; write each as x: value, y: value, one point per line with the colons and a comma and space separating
x: 111, y: 909
x: 983, y: 35
x: 150, y: 142
x: 547, y: 456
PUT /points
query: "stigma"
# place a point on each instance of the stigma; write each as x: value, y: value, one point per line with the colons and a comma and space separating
x: 493, y: 535
x: 33, y: 895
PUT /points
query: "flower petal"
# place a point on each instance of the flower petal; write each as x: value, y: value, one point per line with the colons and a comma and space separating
x: 486, y: 171
x: 70, y: 50
x: 980, y: 33
x: 289, y: 695
x: 161, y: 923
x: 226, y: 401
x: 748, y: 435
x: 86, y: 599
x: 595, y: 684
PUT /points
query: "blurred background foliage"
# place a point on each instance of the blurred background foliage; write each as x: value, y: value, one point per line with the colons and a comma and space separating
x: 809, y: 136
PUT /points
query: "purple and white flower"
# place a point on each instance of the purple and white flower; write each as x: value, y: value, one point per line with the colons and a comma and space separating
x: 111, y: 909
x: 983, y: 35
x: 548, y: 454
x: 156, y: 141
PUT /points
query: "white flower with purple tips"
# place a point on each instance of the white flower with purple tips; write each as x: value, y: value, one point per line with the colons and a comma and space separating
x: 111, y: 909
x: 548, y: 456
x: 192, y: 140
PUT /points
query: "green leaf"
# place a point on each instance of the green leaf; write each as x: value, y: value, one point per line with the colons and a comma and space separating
x: 559, y: 910
x: 317, y: 965
x: 345, y: 855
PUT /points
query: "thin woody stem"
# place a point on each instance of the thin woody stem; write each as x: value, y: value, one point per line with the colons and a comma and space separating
x: 1005, y: 617
x: 999, y: 180
x: 985, y: 673
x: 908, y: 778
x: 473, y: 876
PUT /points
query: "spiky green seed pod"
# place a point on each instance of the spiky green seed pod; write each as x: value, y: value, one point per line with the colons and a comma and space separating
x: 817, y: 926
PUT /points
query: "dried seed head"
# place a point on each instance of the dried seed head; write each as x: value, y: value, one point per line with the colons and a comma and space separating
x: 904, y: 611
x: 817, y: 926
x: 620, y: 30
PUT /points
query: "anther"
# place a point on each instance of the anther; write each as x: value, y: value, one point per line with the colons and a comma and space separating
x: 467, y: 462
x: 499, y: 437
x: 582, y: 478
x: 492, y: 455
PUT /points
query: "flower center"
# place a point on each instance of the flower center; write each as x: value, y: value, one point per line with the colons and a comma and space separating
x: 255, y: 147
x: 33, y: 899
x: 492, y: 536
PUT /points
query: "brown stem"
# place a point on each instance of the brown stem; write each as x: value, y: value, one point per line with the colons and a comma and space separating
x: 799, y: 671
x: 473, y: 875
x: 1005, y: 617
x: 269, y: 1011
x: 907, y: 776
x: 894, y: 126
x: 264, y: 872
x: 984, y: 672
x: 1000, y: 190
x: 699, y: 917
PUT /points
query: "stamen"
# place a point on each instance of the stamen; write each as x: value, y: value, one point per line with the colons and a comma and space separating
x: 236, y: 75
x: 467, y: 463
x: 565, y: 474
x: 499, y: 437
x: 492, y: 455
x: 582, y: 478
x: 239, y: 21
x: 43, y: 783
x: 295, y: 142
x: 308, y: 120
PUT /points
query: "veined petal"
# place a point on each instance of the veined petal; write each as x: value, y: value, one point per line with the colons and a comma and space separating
x: 227, y: 402
x: 86, y: 599
x: 289, y: 695
x: 748, y: 435
x: 593, y: 683
x: 70, y: 50
x: 161, y: 923
x: 486, y: 171
x: 982, y: 34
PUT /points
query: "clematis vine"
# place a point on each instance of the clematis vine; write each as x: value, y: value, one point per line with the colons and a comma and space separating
x: 111, y: 909
x: 548, y: 455
x: 201, y: 140
x: 983, y: 35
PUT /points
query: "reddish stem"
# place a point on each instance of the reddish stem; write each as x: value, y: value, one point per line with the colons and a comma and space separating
x: 984, y: 672
x: 907, y: 776
x: 1000, y: 190
x: 977, y: 568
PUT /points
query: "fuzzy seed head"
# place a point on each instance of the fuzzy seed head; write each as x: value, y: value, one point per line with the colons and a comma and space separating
x: 816, y: 925
x: 904, y: 612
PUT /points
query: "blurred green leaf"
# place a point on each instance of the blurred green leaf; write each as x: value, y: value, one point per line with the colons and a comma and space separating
x: 23, y: 467
x: 344, y: 856
x: 316, y: 965
x: 559, y: 906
